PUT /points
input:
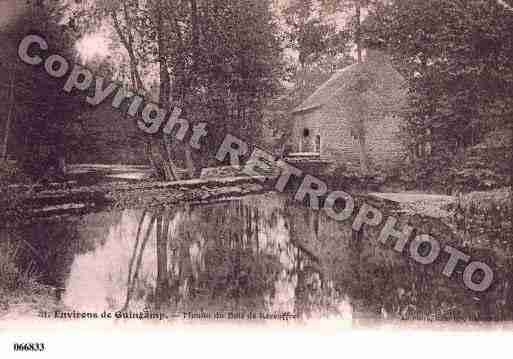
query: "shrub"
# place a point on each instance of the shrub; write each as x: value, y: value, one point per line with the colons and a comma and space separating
x: 12, y: 278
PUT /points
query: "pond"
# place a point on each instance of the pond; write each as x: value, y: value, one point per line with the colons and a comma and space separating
x: 258, y: 254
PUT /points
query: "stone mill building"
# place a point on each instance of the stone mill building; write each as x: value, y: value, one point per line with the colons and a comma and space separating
x: 364, y: 98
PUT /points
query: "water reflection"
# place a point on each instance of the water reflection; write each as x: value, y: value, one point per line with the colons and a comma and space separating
x: 236, y: 256
x: 260, y: 254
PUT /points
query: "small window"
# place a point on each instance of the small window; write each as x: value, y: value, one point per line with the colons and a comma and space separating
x: 306, y: 132
x: 318, y: 143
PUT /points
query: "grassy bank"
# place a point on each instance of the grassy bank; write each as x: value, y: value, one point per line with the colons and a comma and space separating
x: 20, y: 291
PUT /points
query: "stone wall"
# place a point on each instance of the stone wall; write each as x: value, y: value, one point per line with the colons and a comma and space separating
x: 383, y: 138
x: 373, y: 91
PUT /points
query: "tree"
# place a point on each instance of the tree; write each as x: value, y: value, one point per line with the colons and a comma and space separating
x: 318, y: 48
x: 39, y: 115
x: 457, y: 59
x: 309, y: 35
x: 338, y: 6
x: 355, y: 26
x: 220, y: 59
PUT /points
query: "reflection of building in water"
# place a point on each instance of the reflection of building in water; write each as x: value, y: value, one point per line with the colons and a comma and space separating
x: 263, y: 253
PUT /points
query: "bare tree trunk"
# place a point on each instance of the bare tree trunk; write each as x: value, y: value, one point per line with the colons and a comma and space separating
x: 149, y: 155
x: 358, y: 129
x: 158, y: 144
x: 163, y: 165
x: 189, y: 161
x: 188, y: 83
x: 9, y: 120
x: 164, y: 95
x: 128, y: 43
x: 358, y: 36
x: 172, y: 166
x: 364, y: 163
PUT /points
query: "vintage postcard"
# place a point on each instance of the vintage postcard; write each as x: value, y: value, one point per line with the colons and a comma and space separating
x: 322, y: 165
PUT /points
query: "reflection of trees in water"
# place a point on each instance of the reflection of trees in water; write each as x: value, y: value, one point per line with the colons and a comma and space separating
x: 136, y: 258
x: 314, y: 291
x: 240, y: 255
x: 51, y: 245
x: 44, y: 251
x: 258, y: 253
x: 378, y: 280
x: 265, y: 253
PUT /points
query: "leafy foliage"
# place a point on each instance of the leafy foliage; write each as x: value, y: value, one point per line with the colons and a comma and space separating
x: 41, y: 113
x: 219, y: 61
x: 457, y: 59
x: 316, y: 47
x: 310, y: 34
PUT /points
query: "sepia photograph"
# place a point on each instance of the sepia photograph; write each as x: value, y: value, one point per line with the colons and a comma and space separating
x: 321, y: 166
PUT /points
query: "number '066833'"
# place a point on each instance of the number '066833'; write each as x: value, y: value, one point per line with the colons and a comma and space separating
x: 29, y: 347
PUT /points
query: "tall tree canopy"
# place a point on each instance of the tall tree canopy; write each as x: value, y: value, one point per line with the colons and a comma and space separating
x: 38, y: 115
x: 310, y: 34
x: 458, y: 59
x: 354, y: 24
x: 219, y: 61
x: 316, y: 47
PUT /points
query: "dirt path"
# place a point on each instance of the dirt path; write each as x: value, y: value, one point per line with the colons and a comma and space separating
x: 407, y: 197
x: 431, y: 205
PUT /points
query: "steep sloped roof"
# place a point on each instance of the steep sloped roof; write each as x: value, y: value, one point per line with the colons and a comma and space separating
x: 327, y: 90
x: 377, y: 72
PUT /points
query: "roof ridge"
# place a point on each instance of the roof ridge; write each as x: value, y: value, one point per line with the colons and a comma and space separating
x: 333, y: 77
x: 341, y: 81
